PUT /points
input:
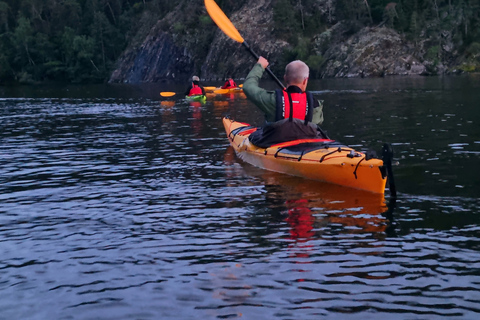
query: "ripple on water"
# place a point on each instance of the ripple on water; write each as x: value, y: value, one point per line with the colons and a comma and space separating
x: 131, y: 210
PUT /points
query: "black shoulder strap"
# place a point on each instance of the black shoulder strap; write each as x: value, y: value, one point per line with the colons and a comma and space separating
x: 290, y: 117
x: 310, y: 107
x: 280, y: 104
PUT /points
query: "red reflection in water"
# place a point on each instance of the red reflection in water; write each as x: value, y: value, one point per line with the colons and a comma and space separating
x: 300, y: 219
x: 197, y: 117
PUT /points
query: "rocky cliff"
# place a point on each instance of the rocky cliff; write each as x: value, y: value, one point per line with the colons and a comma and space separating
x: 229, y: 58
x: 371, y: 52
x: 181, y: 45
x: 158, y: 58
x: 169, y: 54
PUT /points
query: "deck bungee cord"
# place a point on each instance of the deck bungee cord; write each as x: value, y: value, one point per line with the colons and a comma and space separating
x: 315, y: 159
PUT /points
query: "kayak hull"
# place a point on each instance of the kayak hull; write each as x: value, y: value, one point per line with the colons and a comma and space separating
x: 330, y: 162
x: 197, y: 98
x: 234, y: 90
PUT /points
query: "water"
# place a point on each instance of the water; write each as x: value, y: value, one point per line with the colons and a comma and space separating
x: 116, y: 204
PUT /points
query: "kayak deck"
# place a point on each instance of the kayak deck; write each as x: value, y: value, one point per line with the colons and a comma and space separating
x: 317, y: 159
x: 198, y: 98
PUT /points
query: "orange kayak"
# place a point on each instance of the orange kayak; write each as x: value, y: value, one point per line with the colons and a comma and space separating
x: 316, y: 159
x: 219, y: 90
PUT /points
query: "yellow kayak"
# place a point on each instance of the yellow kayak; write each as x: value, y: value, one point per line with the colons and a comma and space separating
x: 233, y: 90
x: 219, y: 90
x: 317, y: 159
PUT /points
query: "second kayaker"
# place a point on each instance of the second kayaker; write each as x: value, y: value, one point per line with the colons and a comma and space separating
x: 292, y: 113
x: 195, y: 89
x: 229, y: 84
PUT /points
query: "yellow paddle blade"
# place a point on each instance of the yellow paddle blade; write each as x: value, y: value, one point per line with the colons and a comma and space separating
x: 222, y: 21
x: 240, y: 85
x: 167, y: 94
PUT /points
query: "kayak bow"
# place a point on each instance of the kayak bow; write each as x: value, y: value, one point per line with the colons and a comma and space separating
x: 199, y: 98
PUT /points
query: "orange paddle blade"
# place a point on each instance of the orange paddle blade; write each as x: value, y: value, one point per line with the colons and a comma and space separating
x: 222, y: 21
x: 167, y: 94
x: 210, y: 88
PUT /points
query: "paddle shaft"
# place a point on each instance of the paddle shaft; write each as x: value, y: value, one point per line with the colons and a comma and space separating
x: 247, y: 46
x: 387, y: 156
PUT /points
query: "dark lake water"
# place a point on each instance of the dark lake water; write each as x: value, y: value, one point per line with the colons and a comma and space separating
x: 116, y: 203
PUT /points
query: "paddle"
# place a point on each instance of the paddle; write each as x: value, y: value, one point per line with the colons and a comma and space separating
x: 229, y: 29
x: 167, y: 94
x: 210, y: 88
x: 387, y: 156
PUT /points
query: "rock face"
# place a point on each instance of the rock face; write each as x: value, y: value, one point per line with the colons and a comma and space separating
x: 370, y: 52
x: 158, y: 58
x: 162, y: 56
x: 182, y: 47
x: 229, y: 58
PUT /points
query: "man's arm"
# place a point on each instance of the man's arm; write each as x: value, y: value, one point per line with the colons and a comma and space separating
x: 263, y: 99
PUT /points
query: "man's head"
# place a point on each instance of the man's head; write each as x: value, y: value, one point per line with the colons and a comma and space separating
x: 297, y: 73
x: 195, y: 79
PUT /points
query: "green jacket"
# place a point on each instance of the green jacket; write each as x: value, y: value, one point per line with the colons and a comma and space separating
x: 265, y: 100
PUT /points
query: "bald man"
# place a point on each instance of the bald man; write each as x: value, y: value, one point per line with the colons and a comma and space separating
x: 278, y: 105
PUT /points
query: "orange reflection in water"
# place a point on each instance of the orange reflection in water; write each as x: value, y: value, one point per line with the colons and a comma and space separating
x: 167, y: 103
x: 311, y: 209
x: 314, y: 208
x: 310, y: 203
x: 167, y: 111
x: 222, y: 102
x: 357, y: 211
x: 197, y: 117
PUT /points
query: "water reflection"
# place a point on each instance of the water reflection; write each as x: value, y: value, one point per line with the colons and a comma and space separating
x: 313, y: 208
x: 167, y: 103
x: 196, y: 111
x: 131, y: 208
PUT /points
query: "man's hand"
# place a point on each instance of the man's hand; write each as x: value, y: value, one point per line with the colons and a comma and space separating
x: 263, y: 62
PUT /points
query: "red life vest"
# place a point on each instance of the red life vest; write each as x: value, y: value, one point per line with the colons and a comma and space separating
x: 229, y: 84
x: 195, y: 91
x: 302, y: 105
x: 299, y: 101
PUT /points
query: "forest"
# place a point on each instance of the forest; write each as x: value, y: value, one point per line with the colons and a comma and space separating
x: 76, y: 41
x: 444, y: 32
x: 79, y: 41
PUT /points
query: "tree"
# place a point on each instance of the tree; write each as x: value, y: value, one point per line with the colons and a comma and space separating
x: 23, y: 39
x: 4, y: 9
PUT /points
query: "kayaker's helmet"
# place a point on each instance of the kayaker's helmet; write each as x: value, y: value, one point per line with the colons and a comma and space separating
x: 195, y: 78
